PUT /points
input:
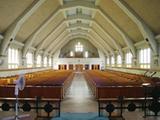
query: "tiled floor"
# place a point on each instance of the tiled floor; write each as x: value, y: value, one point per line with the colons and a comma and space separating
x: 79, y: 98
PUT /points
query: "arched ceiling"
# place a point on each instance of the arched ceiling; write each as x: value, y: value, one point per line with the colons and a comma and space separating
x: 47, y: 25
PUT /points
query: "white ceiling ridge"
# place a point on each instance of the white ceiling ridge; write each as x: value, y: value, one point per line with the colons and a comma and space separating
x: 32, y: 38
x: 103, y: 42
x: 63, y: 41
x: 81, y: 29
x: 48, y: 36
x: 157, y: 37
x: 91, y: 39
x: 125, y: 37
x: 55, y: 41
x: 143, y: 27
x: 81, y: 35
x: 97, y: 2
x: 101, y: 47
x: 71, y: 35
x: 64, y: 7
x: 1, y: 37
x: 17, y: 43
x: 118, y: 47
x: 61, y: 2
x: 111, y: 50
x: 12, y: 31
x: 105, y: 33
x: 79, y: 25
x: 20, y: 45
x: 79, y: 17
x: 85, y: 6
x: 78, y: 30
x: 55, y: 30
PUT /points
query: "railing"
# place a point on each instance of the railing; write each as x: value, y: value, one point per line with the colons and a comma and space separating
x: 149, y: 104
x: 150, y: 72
x: 27, y: 104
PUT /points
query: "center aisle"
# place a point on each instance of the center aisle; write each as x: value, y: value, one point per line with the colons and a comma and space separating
x: 79, y: 97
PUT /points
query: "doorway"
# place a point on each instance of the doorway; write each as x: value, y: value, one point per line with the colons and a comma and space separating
x: 79, y: 67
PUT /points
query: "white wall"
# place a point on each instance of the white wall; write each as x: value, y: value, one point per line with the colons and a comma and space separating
x: 24, y: 71
x: 74, y: 61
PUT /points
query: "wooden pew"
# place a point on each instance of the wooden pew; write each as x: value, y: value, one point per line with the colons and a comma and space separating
x: 112, y: 84
x: 50, y: 84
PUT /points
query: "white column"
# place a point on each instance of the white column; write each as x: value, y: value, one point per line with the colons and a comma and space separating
x: 134, y: 62
x: 24, y: 62
x: 34, y: 61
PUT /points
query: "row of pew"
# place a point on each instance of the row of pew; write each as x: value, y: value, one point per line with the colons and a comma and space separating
x: 112, y: 84
x: 46, y: 84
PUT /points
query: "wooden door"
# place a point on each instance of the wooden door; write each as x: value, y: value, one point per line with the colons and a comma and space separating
x: 70, y: 66
x: 79, y: 67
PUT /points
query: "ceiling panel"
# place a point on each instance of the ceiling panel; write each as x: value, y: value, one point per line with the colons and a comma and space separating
x: 123, y: 21
x: 34, y: 22
x: 48, y: 29
x: 107, y: 40
x: 108, y: 28
x: 149, y: 11
x: 11, y: 10
x: 54, y: 36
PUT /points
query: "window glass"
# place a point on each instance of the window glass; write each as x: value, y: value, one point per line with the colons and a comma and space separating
x: 13, y: 58
x: 145, y: 58
x: 39, y: 61
x: 79, y: 47
x: 128, y: 59
x: 119, y: 61
x: 29, y: 59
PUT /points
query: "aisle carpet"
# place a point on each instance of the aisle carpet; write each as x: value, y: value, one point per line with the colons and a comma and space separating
x: 80, y: 116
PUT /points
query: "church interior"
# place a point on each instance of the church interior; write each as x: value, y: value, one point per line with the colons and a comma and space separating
x: 79, y: 60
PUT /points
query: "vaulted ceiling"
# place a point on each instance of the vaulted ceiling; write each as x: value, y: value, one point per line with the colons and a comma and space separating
x: 111, y: 25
